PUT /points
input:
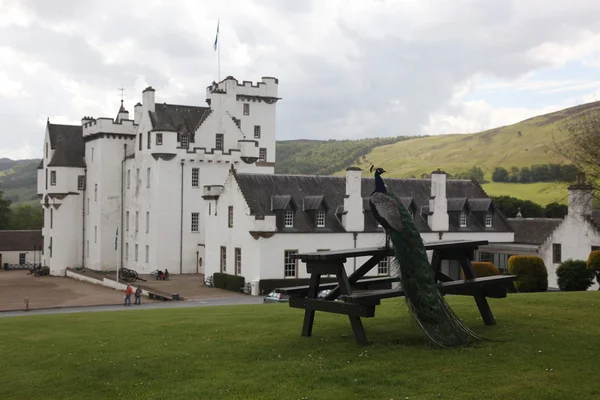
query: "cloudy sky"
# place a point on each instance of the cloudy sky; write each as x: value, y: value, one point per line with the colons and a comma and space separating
x: 347, y: 69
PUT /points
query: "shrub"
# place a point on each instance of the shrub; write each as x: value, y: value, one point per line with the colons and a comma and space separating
x: 531, y: 273
x: 573, y: 275
x: 593, y: 264
x: 483, y: 269
x: 228, y: 282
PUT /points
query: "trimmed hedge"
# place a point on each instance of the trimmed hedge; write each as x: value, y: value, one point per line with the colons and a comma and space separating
x: 267, y: 285
x: 531, y: 272
x: 229, y: 282
x: 573, y: 275
x: 482, y: 269
x: 593, y: 264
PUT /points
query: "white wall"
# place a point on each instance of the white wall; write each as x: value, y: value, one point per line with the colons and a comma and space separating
x: 12, y: 257
x: 576, y: 237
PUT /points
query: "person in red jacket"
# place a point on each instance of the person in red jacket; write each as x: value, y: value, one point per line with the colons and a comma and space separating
x: 128, y: 293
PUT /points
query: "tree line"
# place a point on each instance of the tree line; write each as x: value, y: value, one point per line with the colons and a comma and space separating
x: 19, y: 217
x: 510, y: 206
x: 536, y: 173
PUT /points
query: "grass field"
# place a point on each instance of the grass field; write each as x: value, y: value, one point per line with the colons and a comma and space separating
x: 546, y: 348
x: 541, y: 193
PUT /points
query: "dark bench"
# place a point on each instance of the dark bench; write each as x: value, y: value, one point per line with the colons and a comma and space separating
x: 302, y: 291
x: 356, y: 303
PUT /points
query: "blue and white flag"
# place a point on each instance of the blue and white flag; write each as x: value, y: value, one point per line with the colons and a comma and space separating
x: 216, y: 37
x: 116, y: 237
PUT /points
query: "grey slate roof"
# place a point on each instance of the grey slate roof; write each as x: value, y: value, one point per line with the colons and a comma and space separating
x: 178, y: 118
x: 533, y: 230
x: 262, y: 192
x: 68, y: 145
x: 20, y: 240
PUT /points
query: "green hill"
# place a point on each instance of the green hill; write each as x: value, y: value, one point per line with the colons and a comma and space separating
x: 18, y: 180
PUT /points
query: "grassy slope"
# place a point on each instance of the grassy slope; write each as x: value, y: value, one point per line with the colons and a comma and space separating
x: 541, y: 192
x: 489, y: 149
x: 546, y: 348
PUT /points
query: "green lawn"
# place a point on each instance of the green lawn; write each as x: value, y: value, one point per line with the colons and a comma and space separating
x: 546, y: 348
x: 541, y: 193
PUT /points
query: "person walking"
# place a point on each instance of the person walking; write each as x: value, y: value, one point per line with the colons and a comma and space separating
x: 128, y: 293
x: 138, y: 295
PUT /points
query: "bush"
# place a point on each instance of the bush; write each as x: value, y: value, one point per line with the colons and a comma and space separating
x: 574, y: 275
x: 483, y: 269
x: 531, y: 273
x: 229, y: 282
x: 593, y: 264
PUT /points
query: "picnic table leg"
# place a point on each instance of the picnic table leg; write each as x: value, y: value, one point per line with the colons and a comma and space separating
x: 480, y: 300
x: 309, y: 315
x: 355, y: 321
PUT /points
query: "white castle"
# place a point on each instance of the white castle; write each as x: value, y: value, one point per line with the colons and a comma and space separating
x: 129, y: 192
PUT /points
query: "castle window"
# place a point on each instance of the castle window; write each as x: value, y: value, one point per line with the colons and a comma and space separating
x: 238, y: 261
x: 147, y: 221
x: 127, y: 251
x: 223, y: 258
x: 256, y: 131
x: 148, y: 177
x: 320, y: 219
x: 488, y: 219
x: 95, y: 192
x: 140, y: 147
x: 53, y: 178
x: 463, y: 219
x: 128, y: 178
x: 289, y: 219
x: 147, y: 253
x: 262, y: 154
x: 136, y: 252
x: 21, y: 258
x: 195, y: 219
x: 383, y: 268
x: 246, y: 110
x: 149, y: 139
x: 290, y: 264
x: 219, y: 141
x: 137, y: 221
x: 51, y: 218
x: 195, y: 175
x: 556, y: 253
x: 159, y: 139
x: 127, y: 220
x: 92, y: 154
x: 95, y: 234
x: 230, y: 217
x: 46, y: 150
x: 80, y: 182
x: 184, y: 140
x: 137, y: 179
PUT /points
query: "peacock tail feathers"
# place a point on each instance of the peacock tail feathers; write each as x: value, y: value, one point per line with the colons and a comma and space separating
x: 426, y: 303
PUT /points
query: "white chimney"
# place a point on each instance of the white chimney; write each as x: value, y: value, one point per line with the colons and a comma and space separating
x: 438, y: 203
x: 137, y: 113
x: 353, y: 218
x: 580, y: 197
x: 148, y: 98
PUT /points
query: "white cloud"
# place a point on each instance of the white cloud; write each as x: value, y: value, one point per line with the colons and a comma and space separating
x: 347, y: 68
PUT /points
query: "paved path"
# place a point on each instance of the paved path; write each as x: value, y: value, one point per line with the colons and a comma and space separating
x: 237, y: 300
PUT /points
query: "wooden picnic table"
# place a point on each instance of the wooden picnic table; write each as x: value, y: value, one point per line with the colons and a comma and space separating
x: 347, y: 295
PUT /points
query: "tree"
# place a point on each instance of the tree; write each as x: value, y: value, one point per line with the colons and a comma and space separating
x: 556, y: 210
x: 4, y: 212
x: 509, y: 207
x: 25, y: 217
x: 582, y: 144
x: 500, y: 175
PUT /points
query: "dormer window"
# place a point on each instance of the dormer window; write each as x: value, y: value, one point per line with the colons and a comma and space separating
x: 488, y: 219
x: 320, y: 219
x: 288, y: 219
x: 184, y: 141
x: 463, y: 219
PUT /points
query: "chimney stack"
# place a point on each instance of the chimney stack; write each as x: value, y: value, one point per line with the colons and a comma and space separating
x: 353, y: 218
x: 580, y: 197
x: 148, y: 99
x: 438, y: 203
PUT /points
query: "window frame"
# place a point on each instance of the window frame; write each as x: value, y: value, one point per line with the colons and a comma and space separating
x: 287, y: 263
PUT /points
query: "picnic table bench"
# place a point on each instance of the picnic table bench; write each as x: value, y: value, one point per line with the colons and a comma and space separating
x: 348, y: 295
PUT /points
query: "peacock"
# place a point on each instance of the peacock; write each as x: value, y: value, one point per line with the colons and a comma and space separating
x: 425, y: 302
